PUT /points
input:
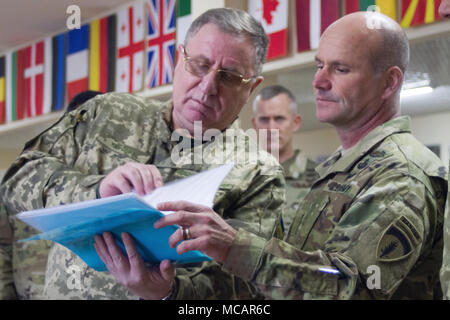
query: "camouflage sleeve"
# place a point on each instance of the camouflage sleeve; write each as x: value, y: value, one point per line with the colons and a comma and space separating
x: 44, y: 175
x: 445, y: 269
x: 259, y: 211
x: 7, y: 289
x: 372, y: 248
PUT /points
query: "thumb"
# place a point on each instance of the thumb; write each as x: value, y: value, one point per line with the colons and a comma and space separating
x: 167, y: 270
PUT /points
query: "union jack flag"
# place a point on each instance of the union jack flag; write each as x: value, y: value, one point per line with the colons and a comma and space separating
x: 160, y: 42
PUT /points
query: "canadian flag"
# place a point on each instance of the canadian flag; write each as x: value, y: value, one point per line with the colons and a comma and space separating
x: 130, y: 44
x: 273, y: 15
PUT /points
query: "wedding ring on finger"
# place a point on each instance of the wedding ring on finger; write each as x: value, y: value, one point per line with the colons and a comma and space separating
x: 186, y: 233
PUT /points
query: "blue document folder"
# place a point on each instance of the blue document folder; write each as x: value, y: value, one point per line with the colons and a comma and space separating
x: 134, y: 217
x: 75, y: 225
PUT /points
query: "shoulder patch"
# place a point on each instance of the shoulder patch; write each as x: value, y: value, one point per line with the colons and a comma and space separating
x: 398, y: 241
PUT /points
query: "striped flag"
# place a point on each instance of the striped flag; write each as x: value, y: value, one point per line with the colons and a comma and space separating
x: 34, y: 79
x: 77, y: 61
x: 131, y: 46
x: 417, y: 12
x: 184, y: 19
x: 55, y: 73
x: 15, y: 85
x: 313, y: 17
x: 387, y: 7
x: 2, y: 89
x: 102, y: 54
x: 160, y: 51
x: 273, y: 15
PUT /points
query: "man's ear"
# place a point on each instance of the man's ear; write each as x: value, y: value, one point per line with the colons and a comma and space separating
x: 393, y: 82
x: 254, y: 123
x: 256, y: 83
x: 297, y: 122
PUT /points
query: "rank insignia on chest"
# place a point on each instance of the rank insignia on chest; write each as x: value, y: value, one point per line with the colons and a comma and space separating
x: 398, y: 241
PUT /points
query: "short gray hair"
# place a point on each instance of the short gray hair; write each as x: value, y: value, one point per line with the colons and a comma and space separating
x: 272, y: 91
x: 236, y: 22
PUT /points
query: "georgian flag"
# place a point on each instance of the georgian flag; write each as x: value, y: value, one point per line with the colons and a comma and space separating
x: 130, y: 48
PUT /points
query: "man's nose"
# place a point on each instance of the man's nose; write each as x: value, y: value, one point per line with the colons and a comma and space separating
x: 321, y: 80
x: 209, y: 83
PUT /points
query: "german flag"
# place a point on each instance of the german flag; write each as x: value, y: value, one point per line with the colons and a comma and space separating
x: 2, y: 89
x: 417, y: 12
x: 102, y: 54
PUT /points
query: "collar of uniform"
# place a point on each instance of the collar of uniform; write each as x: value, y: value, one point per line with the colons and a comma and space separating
x: 339, y: 163
x: 295, y: 165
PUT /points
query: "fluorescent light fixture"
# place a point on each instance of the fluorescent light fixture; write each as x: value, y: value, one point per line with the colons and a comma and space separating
x: 415, y: 91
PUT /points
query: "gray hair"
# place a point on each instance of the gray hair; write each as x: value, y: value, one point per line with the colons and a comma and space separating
x: 236, y: 22
x: 272, y: 91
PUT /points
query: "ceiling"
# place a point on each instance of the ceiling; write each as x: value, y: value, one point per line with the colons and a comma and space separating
x: 37, y: 19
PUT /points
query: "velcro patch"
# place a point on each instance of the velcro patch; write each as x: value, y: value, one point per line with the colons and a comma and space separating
x: 398, y: 241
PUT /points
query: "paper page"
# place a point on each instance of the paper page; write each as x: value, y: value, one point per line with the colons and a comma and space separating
x: 199, y: 189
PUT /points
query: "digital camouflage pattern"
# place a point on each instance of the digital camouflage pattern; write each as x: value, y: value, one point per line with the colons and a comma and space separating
x: 299, y: 174
x: 22, y: 265
x: 370, y: 228
x: 445, y: 269
x: 67, y: 162
x: 7, y: 289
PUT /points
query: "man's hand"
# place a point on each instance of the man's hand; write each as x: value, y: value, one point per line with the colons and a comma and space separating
x: 131, y: 272
x: 143, y: 178
x: 209, y: 233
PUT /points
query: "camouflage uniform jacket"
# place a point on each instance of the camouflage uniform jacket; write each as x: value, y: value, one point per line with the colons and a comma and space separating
x: 299, y: 174
x: 445, y: 269
x: 370, y: 228
x: 67, y: 163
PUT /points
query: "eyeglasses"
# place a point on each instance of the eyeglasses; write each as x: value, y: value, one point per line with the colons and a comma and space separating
x: 199, y: 67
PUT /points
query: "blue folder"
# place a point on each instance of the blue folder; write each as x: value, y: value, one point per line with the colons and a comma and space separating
x: 124, y: 213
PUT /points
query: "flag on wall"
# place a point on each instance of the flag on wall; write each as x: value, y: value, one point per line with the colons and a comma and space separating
x: 2, y: 89
x: 273, y: 15
x: 55, y: 73
x: 417, y: 12
x: 102, y: 54
x: 387, y: 7
x: 160, y: 51
x: 184, y: 19
x: 15, y: 85
x: 131, y: 45
x: 77, y: 61
x: 34, y: 79
x: 313, y: 17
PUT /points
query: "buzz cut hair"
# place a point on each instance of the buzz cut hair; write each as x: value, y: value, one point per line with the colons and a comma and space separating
x: 273, y: 91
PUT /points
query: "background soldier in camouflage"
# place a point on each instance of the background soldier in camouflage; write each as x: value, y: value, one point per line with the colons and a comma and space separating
x: 371, y: 226
x: 275, y: 108
x: 119, y: 142
x: 444, y: 11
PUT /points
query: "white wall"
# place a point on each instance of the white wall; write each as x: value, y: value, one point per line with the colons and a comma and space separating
x: 431, y: 129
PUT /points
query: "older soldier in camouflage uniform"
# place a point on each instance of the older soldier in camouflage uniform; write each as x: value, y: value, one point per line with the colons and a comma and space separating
x: 275, y: 108
x: 444, y: 11
x: 371, y: 226
x: 119, y: 142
